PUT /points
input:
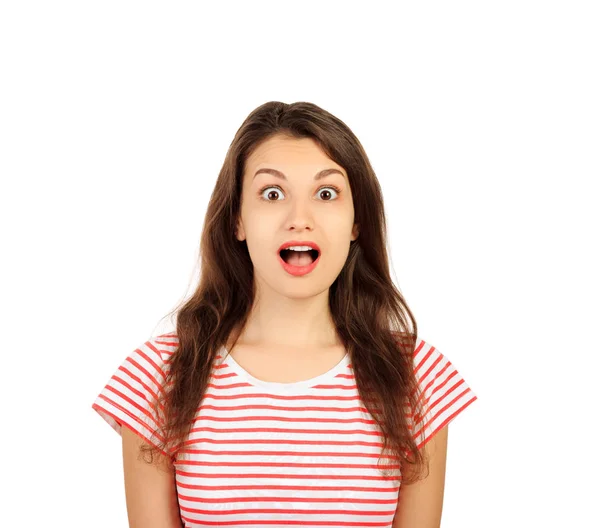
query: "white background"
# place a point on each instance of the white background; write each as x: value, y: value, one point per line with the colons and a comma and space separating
x: 481, y: 120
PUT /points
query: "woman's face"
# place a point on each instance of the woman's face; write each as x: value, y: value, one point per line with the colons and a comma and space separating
x: 295, y: 206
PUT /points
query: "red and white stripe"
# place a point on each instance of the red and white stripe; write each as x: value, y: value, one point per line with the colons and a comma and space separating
x: 285, y: 457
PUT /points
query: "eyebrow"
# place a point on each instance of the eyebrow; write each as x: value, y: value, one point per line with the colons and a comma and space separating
x: 279, y: 174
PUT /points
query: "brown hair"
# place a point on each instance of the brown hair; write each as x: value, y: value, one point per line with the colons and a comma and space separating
x: 370, y: 314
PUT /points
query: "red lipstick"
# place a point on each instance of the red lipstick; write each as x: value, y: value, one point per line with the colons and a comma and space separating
x: 298, y: 271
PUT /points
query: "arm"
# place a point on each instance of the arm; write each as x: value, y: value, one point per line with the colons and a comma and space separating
x: 151, y: 493
x: 420, y: 504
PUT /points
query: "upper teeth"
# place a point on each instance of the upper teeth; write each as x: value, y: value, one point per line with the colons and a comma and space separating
x: 299, y: 248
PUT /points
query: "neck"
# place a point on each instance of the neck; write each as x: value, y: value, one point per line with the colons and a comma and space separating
x: 291, y: 323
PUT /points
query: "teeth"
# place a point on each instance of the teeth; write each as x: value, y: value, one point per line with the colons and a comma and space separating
x: 299, y: 248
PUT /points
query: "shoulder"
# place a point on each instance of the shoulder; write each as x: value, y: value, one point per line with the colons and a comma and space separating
x: 420, y: 347
x: 164, y: 346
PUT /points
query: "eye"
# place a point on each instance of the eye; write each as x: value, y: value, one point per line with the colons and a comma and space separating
x: 279, y: 190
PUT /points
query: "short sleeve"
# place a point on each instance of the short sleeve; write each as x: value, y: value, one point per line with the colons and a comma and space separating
x: 129, y: 398
x: 445, y: 394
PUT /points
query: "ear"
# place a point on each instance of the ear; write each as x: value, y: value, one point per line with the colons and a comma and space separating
x: 240, y: 234
x: 355, y: 232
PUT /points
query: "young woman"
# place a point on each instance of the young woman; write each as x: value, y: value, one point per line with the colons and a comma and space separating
x: 294, y: 389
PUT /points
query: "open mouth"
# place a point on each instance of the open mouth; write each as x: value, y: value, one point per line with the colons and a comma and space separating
x: 299, y: 258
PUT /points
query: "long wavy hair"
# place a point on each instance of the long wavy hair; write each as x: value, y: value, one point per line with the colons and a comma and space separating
x: 370, y: 314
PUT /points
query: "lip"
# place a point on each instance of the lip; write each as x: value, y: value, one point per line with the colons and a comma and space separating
x: 289, y: 243
x: 297, y: 271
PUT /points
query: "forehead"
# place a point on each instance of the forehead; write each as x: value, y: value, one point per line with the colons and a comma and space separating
x: 281, y: 152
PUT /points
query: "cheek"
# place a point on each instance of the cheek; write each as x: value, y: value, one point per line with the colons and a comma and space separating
x: 260, y: 237
x: 338, y: 225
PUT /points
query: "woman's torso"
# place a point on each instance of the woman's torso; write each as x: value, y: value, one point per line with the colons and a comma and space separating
x: 283, y: 438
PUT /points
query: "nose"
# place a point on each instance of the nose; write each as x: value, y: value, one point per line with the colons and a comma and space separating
x: 300, y: 216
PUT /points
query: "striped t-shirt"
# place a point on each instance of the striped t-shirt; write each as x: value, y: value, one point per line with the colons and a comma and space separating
x: 279, y: 454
